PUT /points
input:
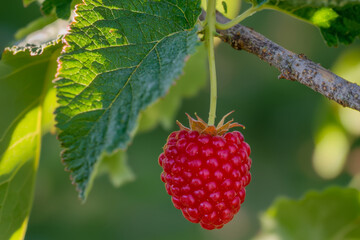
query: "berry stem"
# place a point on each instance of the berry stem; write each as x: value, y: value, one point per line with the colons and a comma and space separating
x: 209, y: 44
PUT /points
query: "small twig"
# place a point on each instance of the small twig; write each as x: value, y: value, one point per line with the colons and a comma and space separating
x: 295, y: 67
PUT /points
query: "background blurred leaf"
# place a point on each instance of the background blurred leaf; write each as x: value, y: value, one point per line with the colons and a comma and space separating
x: 32, y: 36
x: 25, y: 83
x: 331, y: 150
x: 348, y: 67
x: 333, y: 214
x: 335, y: 136
x: 34, y: 26
x: 339, y: 21
x: 233, y: 7
x: 164, y: 110
x: 119, y: 59
x: 115, y: 165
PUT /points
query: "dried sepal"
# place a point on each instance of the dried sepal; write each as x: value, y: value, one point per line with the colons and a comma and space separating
x: 182, y: 127
x: 201, y: 126
x: 196, y: 125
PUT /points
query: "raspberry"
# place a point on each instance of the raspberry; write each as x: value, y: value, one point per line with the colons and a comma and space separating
x: 206, y: 170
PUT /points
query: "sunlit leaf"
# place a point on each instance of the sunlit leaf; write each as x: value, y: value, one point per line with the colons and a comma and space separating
x: 120, y: 57
x: 27, y: 103
x: 331, y: 214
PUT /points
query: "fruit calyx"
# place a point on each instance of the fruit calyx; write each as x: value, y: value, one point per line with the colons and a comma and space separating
x: 201, y: 126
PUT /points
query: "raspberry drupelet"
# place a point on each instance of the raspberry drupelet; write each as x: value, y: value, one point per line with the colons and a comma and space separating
x: 206, y: 170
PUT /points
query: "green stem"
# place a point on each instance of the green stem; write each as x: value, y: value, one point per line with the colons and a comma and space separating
x: 247, y: 13
x: 209, y: 43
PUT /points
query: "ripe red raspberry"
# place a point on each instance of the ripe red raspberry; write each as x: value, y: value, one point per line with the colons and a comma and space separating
x: 206, y: 171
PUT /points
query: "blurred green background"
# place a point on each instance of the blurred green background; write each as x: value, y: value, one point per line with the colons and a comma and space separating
x: 282, y: 120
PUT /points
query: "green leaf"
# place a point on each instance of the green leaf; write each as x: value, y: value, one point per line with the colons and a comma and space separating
x: 333, y: 214
x: 27, y: 102
x: 120, y: 57
x: 338, y: 20
x: 62, y: 7
x: 164, y: 110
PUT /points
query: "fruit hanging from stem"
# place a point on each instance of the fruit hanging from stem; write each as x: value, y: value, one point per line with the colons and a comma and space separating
x: 206, y: 170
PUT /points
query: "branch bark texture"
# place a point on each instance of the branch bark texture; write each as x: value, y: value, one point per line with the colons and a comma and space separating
x: 295, y: 67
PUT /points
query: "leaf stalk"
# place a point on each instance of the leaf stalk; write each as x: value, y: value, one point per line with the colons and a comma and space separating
x: 238, y: 19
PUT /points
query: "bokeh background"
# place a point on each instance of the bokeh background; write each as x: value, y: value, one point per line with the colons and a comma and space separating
x: 284, y: 121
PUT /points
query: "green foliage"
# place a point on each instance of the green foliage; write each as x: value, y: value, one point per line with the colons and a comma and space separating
x: 330, y: 151
x: 163, y: 111
x: 120, y: 57
x: 62, y: 7
x: 25, y: 83
x: 348, y: 65
x: 332, y: 214
x: 338, y: 126
x: 115, y: 165
x: 339, y: 21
